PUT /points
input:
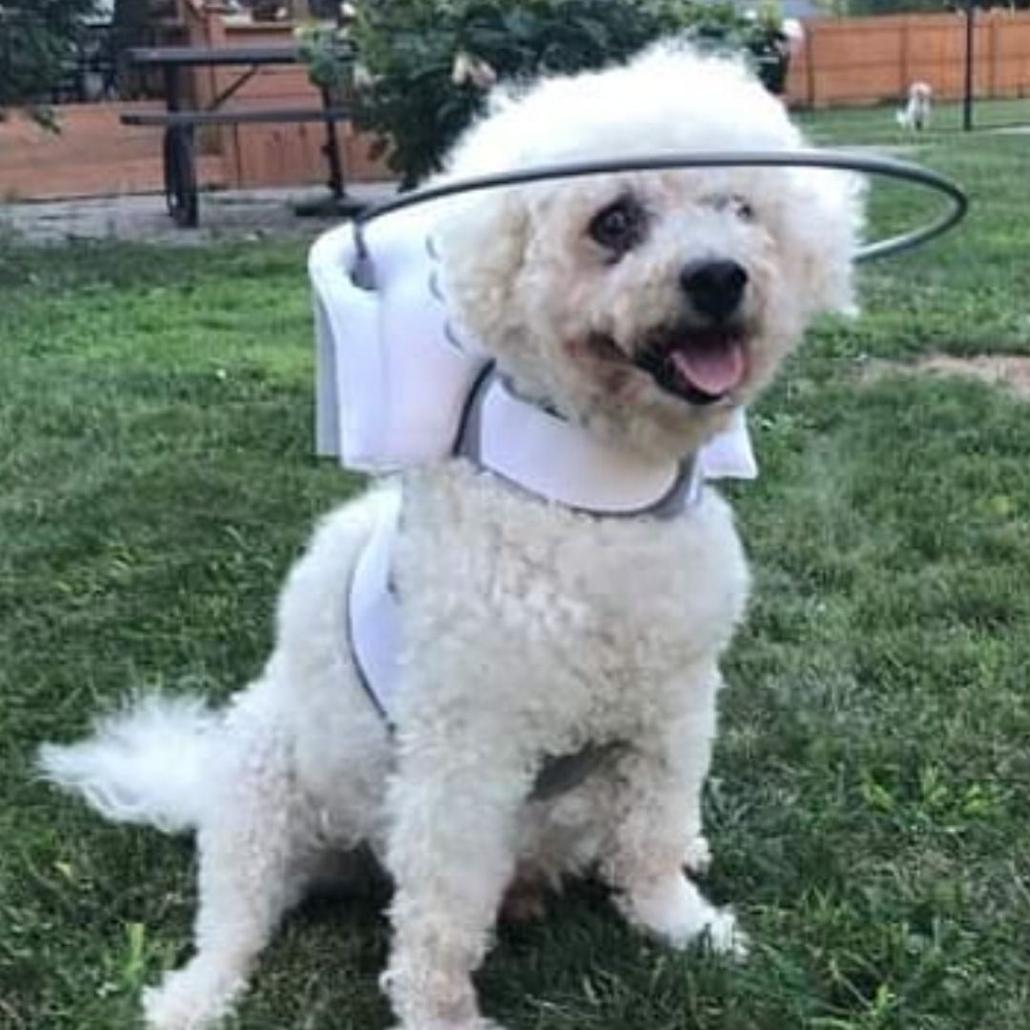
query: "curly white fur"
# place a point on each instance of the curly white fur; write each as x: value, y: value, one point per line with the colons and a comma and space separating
x: 528, y: 630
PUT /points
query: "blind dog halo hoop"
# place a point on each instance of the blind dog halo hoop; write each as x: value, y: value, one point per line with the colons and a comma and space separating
x: 840, y: 160
x: 393, y: 368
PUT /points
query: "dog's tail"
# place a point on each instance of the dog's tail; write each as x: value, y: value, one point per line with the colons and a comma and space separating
x: 144, y: 764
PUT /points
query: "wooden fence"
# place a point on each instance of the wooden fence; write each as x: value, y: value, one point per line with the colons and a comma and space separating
x: 868, y: 60
x: 843, y: 61
x: 92, y: 155
x: 95, y: 155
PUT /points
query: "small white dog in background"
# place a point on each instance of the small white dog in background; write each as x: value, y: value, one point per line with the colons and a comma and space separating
x: 915, y: 115
x: 646, y: 309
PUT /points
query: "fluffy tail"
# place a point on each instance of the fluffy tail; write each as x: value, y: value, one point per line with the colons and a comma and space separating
x: 142, y: 765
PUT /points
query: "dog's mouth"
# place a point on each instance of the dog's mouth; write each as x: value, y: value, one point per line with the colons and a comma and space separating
x: 700, y: 365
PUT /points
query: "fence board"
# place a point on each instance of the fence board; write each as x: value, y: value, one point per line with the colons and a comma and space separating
x: 93, y: 155
x: 869, y: 60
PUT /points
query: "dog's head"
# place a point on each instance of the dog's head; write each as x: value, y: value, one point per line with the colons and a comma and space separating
x: 646, y: 305
x: 920, y: 93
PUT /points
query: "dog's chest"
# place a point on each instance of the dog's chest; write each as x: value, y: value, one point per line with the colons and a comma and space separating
x: 557, y: 610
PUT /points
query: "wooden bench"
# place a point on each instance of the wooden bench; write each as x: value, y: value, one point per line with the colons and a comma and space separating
x: 180, y: 162
x: 179, y: 156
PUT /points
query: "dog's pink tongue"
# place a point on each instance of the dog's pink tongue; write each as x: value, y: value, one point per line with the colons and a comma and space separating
x: 714, y: 369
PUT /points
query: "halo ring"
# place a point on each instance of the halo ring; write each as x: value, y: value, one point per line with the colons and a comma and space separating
x: 866, y: 164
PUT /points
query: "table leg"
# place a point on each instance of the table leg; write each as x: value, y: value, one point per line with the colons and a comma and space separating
x: 171, y: 87
x: 339, y: 202
x: 181, y: 176
x: 331, y: 149
x: 179, y: 169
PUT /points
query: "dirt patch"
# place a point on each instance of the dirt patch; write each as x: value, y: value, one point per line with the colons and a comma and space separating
x: 1007, y: 371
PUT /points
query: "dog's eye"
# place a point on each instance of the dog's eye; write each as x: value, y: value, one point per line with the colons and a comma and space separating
x: 742, y: 209
x: 735, y: 204
x: 619, y: 226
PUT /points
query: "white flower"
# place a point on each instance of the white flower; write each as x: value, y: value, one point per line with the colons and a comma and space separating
x: 469, y: 68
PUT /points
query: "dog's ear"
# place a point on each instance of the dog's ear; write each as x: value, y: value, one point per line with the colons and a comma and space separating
x: 825, y: 239
x: 483, y: 236
x: 483, y: 240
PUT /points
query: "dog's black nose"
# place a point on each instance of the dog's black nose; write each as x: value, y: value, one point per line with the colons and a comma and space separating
x: 715, y: 288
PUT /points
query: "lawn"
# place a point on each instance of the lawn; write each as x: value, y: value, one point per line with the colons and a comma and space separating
x: 869, y: 804
x: 862, y: 125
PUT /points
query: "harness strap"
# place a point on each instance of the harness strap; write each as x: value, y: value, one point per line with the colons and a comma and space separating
x: 537, y: 451
x: 373, y: 617
x: 374, y: 637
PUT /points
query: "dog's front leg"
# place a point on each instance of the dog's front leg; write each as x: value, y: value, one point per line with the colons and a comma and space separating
x: 693, y: 752
x: 451, y: 851
x: 661, y: 783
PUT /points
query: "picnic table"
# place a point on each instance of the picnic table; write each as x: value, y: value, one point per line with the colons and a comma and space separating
x: 180, y: 177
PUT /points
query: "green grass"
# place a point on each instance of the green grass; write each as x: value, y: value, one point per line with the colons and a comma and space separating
x: 862, y: 125
x: 868, y: 807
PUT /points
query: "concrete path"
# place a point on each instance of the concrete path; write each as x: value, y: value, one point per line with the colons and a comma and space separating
x: 224, y: 215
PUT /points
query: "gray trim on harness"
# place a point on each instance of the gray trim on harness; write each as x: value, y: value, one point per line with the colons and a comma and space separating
x: 677, y: 499
x: 359, y: 668
x: 556, y: 775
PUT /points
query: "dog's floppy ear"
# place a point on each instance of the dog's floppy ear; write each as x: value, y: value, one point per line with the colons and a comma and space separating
x: 483, y: 236
x: 482, y: 240
x: 825, y: 239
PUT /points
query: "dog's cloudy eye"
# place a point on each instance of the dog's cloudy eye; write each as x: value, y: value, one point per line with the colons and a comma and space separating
x: 734, y: 203
x: 742, y: 209
x: 619, y: 226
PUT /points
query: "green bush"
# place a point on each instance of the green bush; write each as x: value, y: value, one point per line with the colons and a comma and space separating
x: 409, y: 48
x: 36, y: 41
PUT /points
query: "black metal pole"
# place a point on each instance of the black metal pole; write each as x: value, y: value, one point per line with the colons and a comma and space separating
x: 331, y: 149
x: 967, y: 102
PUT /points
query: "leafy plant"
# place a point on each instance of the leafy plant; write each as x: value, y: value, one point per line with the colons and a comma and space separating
x: 326, y: 51
x: 36, y: 41
x: 412, y: 50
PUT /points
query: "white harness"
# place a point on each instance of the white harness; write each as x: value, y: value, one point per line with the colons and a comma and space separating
x: 399, y: 385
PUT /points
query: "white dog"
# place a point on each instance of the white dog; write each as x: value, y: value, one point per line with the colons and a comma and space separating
x: 915, y: 114
x: 642, y: 311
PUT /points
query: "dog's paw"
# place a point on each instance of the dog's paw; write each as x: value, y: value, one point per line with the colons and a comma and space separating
x: 724, y: 936
x: 718, y: 932
x: 674, y: 911
x: 479, y: 1023
x: 192, y: 998
x: 697, y: 859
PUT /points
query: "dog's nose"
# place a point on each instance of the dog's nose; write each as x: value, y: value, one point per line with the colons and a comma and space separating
x: 715, y: 288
